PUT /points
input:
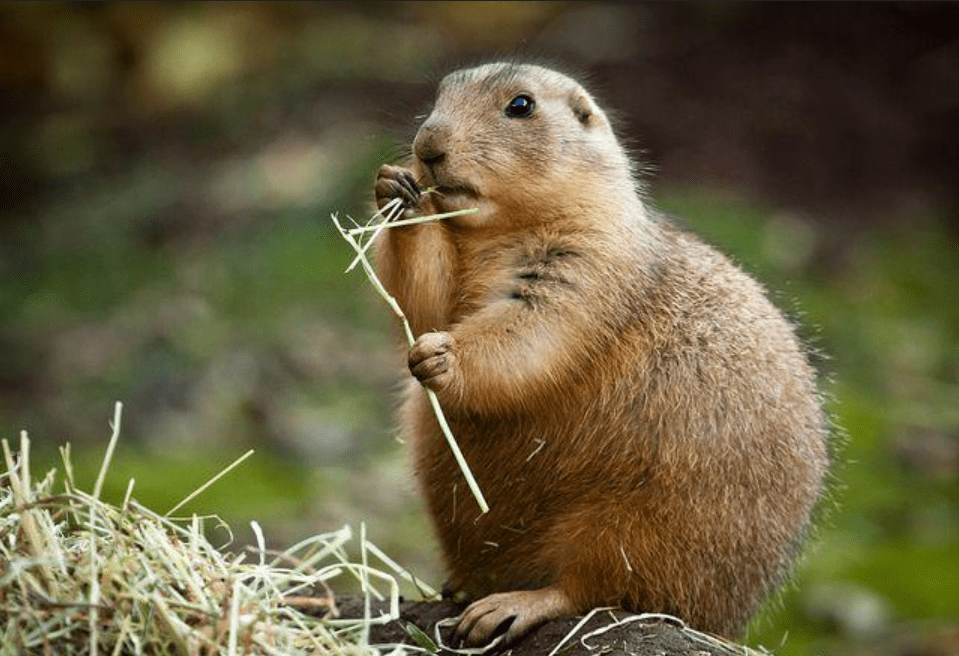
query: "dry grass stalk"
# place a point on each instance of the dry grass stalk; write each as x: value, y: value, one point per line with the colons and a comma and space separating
x: 81, y: 576
x: 386, y: 218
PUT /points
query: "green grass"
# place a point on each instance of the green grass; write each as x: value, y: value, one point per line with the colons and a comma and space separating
x: 264, y: 485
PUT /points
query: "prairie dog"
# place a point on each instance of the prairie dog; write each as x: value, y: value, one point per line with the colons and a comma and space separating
x: 642, y: 420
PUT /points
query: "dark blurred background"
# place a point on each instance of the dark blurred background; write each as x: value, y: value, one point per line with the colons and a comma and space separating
x: 167, y: 173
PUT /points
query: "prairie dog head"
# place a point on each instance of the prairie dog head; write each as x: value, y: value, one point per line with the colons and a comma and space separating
x: 514, y: 138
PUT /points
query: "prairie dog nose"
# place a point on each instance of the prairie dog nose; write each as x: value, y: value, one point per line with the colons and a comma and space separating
x: 431, y: 140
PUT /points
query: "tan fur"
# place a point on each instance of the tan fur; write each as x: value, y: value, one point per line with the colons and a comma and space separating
x: 641, y: 419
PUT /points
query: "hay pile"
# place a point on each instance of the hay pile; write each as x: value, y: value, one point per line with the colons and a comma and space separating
x: 81, y: 576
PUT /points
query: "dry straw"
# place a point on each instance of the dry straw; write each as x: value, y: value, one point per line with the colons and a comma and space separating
x: 81, y: 576
x: 388, y: 217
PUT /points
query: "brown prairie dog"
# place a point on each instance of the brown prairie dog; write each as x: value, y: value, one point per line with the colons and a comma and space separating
x: 641, y: 419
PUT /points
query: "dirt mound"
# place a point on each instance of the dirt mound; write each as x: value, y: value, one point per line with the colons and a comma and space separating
x: 610, y: 633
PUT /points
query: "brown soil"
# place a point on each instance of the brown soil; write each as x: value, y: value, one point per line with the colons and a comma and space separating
x: 647, y: 637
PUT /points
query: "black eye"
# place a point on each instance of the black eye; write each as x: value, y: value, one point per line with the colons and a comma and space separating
x: 520, y: 107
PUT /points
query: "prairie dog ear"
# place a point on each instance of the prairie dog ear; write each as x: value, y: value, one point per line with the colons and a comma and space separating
x: 582, y: 106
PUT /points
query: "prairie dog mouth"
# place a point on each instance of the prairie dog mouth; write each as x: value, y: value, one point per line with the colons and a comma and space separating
x: 446, y: 190
x: 447, y: 198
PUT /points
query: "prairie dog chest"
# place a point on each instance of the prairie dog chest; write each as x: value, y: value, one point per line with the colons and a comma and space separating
x: 522, y: 269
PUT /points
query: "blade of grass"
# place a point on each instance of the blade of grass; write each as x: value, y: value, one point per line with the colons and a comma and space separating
x: 388, y: 214
x: 111, y: 445
x: 434, y: 401
x: 94, y: 561
x: 411, y: 221
x: 210, y: 482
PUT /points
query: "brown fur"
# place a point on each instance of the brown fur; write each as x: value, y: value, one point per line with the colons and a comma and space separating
x: 642, y: 420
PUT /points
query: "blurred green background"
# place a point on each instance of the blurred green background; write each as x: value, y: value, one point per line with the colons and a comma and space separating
x: 168, y: 173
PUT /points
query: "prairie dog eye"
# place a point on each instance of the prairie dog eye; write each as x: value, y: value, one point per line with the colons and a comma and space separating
x: 520, y: 107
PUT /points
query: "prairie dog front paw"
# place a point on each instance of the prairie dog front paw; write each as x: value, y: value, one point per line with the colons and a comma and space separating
x: 396, y: 182
x: 431, y: 359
